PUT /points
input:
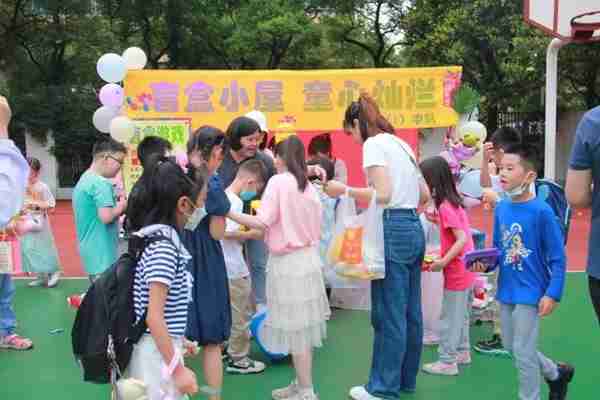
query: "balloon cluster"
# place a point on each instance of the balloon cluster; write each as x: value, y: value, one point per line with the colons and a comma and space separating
x: 112, y: 68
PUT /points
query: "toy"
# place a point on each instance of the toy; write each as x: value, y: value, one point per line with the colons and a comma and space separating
x: 130, y: 389
x: 488, y: 257
x: 255, y: 328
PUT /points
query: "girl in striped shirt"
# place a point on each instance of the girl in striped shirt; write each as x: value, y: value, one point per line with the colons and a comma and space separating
x: 162, y: 285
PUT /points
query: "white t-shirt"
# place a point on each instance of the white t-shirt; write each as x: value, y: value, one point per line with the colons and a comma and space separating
x: 232, y: 249
x: 391, y: 152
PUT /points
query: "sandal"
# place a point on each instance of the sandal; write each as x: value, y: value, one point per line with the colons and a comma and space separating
x: 16, y: 342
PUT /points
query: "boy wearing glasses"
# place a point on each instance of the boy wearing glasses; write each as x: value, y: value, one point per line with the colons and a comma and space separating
x: 97, y: 210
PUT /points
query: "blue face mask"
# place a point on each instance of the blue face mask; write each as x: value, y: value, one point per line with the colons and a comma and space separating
x: 194, y: 219
x: 247, y: 195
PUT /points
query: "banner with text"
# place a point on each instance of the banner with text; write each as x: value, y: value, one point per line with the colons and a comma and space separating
x: 316, y: 99
x: 176, y: 131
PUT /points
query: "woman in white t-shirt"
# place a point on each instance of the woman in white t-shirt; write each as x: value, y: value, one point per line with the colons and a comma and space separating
x: 393, y: 176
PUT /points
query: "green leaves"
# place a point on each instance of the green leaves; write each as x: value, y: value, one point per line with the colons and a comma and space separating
x: 466, y: 100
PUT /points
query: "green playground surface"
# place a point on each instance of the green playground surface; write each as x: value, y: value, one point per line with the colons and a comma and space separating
x: 50, y: 372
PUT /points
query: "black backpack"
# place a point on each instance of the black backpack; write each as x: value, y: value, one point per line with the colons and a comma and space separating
x: 104, y: 330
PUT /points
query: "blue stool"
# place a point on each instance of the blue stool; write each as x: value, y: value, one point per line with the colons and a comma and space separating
x: 478, y: 239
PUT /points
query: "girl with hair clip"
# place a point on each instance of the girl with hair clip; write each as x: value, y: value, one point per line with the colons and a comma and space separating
x: 38, y: 248
x: 162, y: 283
x: 209, y: 322
x: 393, y: 177
x: 290, y: 215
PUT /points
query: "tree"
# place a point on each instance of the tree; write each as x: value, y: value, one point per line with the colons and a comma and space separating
x: 374, y: 26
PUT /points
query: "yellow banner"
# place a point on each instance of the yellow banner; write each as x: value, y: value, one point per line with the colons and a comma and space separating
x: 316, y: 99
x: 176, y: 131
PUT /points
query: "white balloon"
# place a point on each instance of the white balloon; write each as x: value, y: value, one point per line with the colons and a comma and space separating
x: 111, y: 68
x: 102, y: 118
x: 135, y: 58
x: 122, y: 129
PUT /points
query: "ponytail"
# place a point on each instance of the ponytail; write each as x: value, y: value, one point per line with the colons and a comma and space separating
x: 370, y: 119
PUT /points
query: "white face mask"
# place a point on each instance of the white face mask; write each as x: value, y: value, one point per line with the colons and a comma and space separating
x: 518, y: 191
x: 194, y: 219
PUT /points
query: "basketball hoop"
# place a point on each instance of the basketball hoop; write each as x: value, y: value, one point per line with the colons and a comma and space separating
x: 584, y: 25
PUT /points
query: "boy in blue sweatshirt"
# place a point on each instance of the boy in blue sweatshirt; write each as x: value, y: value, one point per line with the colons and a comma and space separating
x: 532, y: 273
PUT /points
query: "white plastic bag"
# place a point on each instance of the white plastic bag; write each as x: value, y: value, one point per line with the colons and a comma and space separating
x: 432, y: 283
x: 357, y: 250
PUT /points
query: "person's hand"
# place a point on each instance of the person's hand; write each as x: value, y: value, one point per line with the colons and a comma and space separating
x: 185, y: 380
x: 316, y: 170
x: 334, y: 189
x: 478, y: 267
x: 437, y: 265
x: 490, y: 198
x: 488, y: 152
x: 546, y: 306
x: 121, y: 205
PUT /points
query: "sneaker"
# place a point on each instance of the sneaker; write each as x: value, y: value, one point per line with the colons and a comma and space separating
x: 54, y: 278
x: 245, y: 366
x: 37, y: 282
x: 463, y: 358
x: 287, y: 392
x: 360, y: 393
x: 492, y: 347
x: 431, y: 340
x: 559, y: 387
x: 441, y: 368
x: 308, y: 395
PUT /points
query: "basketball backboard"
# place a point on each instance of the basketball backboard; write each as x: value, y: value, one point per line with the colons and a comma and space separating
x: 570, y: 20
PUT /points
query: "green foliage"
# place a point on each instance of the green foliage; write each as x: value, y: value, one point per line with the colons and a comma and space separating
x: 466, y: 100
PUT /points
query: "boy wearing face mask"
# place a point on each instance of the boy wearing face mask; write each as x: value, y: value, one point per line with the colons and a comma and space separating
x: 531, y: 273
x: 248, y: 181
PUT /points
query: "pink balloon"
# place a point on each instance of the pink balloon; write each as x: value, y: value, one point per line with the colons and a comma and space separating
x: 112, y: 95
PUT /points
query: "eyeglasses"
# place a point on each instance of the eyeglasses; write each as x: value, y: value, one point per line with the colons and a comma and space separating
x: 120, y: 161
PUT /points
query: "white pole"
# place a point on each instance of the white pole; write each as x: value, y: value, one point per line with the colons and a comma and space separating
x: 551, y: 100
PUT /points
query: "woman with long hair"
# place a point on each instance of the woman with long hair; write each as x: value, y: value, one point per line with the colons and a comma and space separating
x: 394, y: 179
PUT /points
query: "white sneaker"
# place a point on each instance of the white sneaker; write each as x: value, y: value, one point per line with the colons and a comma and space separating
x: 287, y: 392
x: 37, y: 282
x: 360, y: 393
x: 54, y: 278
x: 441, y: 368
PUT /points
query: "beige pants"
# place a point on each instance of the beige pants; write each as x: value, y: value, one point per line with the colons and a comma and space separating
x: 239, y: 341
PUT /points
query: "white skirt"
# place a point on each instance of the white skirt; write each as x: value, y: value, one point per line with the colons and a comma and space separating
x: 297, y: 302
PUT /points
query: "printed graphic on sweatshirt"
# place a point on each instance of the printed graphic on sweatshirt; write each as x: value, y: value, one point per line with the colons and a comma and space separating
x: 514, y: 249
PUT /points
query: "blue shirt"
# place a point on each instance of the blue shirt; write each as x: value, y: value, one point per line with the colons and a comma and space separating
x: 14, y: 172
x: 533, y: 261
x: 586, y: 156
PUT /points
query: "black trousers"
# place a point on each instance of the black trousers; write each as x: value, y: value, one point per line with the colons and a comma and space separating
x: 595, y: 295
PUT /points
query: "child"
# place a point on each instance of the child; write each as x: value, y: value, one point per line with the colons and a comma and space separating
x: 38, y: 249
x: 13, y: 178
x: 492, y: 194
x: 248, y: 181
x: 290, y: 215
x: 327, y: 223
x: 209, y: 322
x: 456, y: 240
x: 162, y: 284
x: 97, y: 210
x: 148, y: 148
x: 532, y: 273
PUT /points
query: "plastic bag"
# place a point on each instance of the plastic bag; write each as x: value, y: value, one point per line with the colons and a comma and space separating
x: 356, y: 250
x: 432, y: 283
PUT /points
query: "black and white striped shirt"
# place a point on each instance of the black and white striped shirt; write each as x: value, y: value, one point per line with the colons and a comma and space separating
x: 164, y: 262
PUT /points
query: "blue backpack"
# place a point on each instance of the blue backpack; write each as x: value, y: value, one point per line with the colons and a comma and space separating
x: 554, y: 195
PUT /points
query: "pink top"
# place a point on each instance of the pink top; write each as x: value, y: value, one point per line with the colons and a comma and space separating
x: 456, y: 275
x: 293, y: 218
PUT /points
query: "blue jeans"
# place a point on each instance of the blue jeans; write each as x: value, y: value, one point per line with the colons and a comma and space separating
x: 8, y: 320
x: 396, y: 307
x: 258, y: 256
